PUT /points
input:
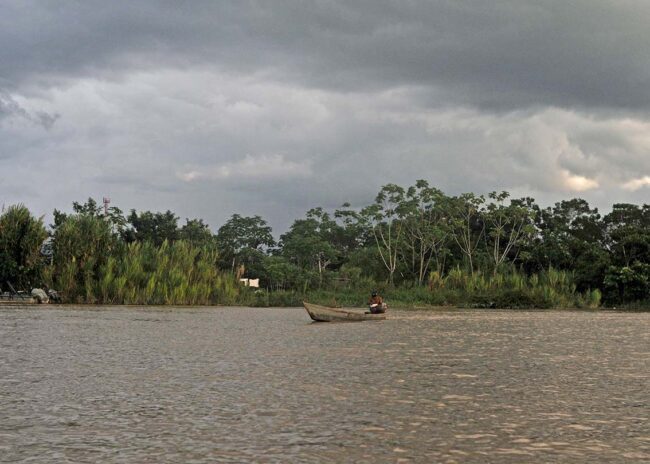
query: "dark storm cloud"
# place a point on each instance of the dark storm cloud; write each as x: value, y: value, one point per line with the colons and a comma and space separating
x: 498, y: 54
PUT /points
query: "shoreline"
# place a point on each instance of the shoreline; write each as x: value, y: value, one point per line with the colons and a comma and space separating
x: 415, y: 308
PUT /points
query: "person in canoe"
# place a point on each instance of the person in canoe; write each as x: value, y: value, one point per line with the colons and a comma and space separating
x: 376, y: 303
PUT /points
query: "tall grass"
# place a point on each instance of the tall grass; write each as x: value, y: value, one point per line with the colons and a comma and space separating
x: 142, y: 273
x: 512, y: 289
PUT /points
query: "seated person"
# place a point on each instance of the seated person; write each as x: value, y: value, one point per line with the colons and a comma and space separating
x: 376, y: 303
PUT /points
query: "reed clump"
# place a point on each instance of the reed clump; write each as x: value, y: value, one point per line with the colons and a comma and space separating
x: 512, y: 289
x: 142, y: 273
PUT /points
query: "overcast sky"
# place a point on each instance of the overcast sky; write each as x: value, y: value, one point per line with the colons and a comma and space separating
x: 274, y: 107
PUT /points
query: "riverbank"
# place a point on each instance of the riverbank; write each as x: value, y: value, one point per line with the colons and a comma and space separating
x: 423, y: 298
x: 327, y: 300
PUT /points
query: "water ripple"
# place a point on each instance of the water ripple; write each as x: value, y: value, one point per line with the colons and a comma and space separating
x: 266, y: 385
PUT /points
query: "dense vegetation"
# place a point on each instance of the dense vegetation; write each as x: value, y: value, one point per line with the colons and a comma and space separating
x: 417, y: 245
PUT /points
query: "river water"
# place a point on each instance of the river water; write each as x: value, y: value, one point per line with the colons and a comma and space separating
x: 156, y: 385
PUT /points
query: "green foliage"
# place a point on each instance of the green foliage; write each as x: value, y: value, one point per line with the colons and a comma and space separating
x: 281, y: 274
x: 594, y: 298
x: 627, y: 284
x: 628, y: 229
x: 196, y: 232
x: 426, y: 235
x: 385, y: 218
x: 466, y: 224
x: 175, y: 273
x: 81, y: 246
x: 509, y: 227
x: 153, y: 227
x: 21, y: 239
x: 115, y: 216
x: 417, y: 244
x: 239, y: 238
x: 512, y: 289
x: 311, y: 243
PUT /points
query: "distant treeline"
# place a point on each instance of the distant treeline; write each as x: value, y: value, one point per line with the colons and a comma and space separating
x: 417, y: 245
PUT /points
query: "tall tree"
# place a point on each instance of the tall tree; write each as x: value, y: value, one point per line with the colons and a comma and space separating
x: 152, y: 227
x: 242, y: 239
x: 311, y: 242
x: 628, y: 233
x: 571, y: 237
x: 196, y: 232
x: 507, y: 225
x: 115, y: 215
x: 425, y: 232
x: 466, y: 224
x: 385, y: 218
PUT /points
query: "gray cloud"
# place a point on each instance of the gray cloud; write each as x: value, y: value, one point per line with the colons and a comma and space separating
x: 270, y: 108
x: 10, y: 108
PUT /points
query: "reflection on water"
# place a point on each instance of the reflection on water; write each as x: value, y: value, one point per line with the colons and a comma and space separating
x: 267, y: 385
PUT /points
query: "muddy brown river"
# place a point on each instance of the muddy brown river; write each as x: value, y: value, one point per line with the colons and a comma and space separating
x: 154, y: 385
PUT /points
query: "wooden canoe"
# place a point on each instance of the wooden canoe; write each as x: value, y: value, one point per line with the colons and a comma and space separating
x: 327, y: 314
